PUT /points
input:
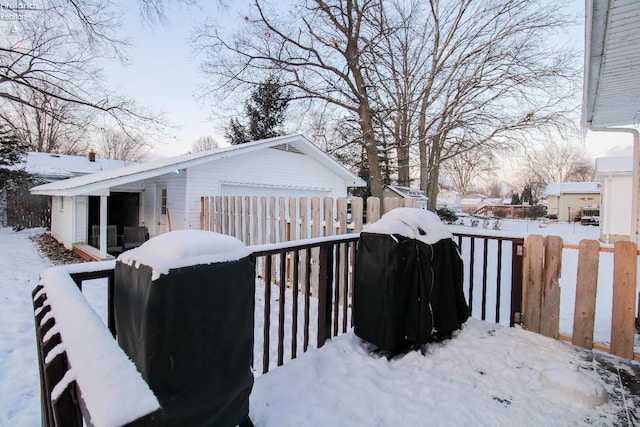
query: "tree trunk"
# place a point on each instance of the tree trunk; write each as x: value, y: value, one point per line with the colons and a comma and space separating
x: 433, y: 171
x: 371, y: 148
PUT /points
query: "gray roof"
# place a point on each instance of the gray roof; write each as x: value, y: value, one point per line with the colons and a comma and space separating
x: 612, y: 63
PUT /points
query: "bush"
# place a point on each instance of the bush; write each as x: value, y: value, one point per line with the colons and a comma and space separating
x: 447, y: 215
x: 536, y: 211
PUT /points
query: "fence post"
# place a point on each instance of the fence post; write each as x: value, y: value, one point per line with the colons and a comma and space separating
x: 324, y: 293
x: 550, y: 312
x: 373, y: 209
x: 517, y: 261
x: 625, y: 266
x: 533, y: 265
x: 586, y: 286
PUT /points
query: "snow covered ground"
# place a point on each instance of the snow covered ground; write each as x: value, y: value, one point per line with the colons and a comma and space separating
x: 487, y: 375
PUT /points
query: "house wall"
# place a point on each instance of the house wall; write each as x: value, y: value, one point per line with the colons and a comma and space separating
x: 81, y: 214
x: 268, y: 172
x: 615, y: 213
x: 552, y: 206
x: 151, y: 217
x: 62, y: 212
x: 575, y: 201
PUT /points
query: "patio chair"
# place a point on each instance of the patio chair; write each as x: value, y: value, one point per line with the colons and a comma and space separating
x: 112, y: 238
x: 134, y: 236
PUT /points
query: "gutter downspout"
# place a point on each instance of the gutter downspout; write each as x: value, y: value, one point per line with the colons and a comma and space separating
x: 636, y: 169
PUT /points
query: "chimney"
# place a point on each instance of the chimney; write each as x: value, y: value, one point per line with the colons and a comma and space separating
x: 92, y: 156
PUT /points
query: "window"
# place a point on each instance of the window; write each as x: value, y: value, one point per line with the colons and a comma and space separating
x: 61, y: 204
x: 163, y: 201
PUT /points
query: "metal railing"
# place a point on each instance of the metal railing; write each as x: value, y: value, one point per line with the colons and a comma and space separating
x: 317, y: 275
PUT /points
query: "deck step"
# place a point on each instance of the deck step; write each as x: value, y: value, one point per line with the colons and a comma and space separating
x: 88, y: 252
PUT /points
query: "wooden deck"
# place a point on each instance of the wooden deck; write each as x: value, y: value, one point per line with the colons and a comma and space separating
x: 89, y: 253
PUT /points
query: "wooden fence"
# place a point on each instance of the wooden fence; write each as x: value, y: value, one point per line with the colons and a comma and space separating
x: 261, y: 220
x: 541, y: 300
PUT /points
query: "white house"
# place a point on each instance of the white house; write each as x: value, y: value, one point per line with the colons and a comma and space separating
x: 616, y: 176
x: 565, y: 200
x: 166, y: 193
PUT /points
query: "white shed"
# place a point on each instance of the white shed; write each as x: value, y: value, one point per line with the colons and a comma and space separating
x: 165, y: 194
x: 616, y: 176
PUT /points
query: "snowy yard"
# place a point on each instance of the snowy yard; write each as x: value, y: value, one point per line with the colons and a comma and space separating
x: 487, y: 375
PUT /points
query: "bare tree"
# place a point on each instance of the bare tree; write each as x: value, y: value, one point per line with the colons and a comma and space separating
x: 118, y: 145
x: 56, y: 126
x: 205, y: 143
x: 318, y: 50
x: 558, y: 161
x: 447, y: 77
x: 464, y: 169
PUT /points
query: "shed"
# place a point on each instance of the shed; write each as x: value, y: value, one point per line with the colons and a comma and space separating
x: 567, y: 199
x: 616, y: 176
x: 165, y: 194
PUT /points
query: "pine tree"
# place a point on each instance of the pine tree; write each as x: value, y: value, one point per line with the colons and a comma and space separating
x: 266, y: 111
x: 12, y: 152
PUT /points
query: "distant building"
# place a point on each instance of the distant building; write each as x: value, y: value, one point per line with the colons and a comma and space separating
x: 449, y: 199
x: 406, y: 193
x: 18, y: 208
x: 616, y: 176
x: 567, y: 199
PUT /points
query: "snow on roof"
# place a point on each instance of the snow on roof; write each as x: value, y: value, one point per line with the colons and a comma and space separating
x: 182, y: 248
x: 614, y: 164
x: 132, y: 173
x: 558, y: 188
x: 67, y: 166
x: 407, y: 192
x: 413, y: 223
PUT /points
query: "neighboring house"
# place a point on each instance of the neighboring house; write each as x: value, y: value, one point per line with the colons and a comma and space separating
x: 406, y: 193
x: 616, y: 176
x: 165, y: 194
x: 18, y: 208
x: 566, y: 200
x: 449, y: 199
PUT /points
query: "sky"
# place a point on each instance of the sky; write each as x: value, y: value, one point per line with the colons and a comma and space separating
x: 163, y: 74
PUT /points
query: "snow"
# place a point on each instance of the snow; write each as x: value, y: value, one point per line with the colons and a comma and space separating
x: 103, y: 372
x: 558, y: 188
x: 573, y: 385
x: 486, y: 375
x: 183, y: 248
x: 65, y: 166
x: 414, y: 223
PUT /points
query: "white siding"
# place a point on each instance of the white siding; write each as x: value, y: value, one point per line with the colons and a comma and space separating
x: 615, y: 217
x: 268, y: 172
x: 175, y: 185
x: 81, y: 213
x: 62, y: 219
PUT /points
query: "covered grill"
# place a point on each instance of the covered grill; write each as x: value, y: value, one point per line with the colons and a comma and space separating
x: 184, y: 311
x: 408, y: 281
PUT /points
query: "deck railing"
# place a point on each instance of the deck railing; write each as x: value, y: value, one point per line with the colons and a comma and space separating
x: 314, y: 297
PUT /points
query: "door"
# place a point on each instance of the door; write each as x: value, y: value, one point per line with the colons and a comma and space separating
x: 162, y: 223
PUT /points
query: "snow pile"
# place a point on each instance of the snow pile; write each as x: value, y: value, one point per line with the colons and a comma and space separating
x: 106, y: 377
x: 571, y: 384
x: 184, y: 248
x: 413, y: 223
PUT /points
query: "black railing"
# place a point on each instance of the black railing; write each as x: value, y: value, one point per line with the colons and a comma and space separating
x: 317, y: 276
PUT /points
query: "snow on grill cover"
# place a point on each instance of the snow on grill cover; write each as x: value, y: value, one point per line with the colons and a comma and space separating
x: 184, y: 311
x: 408, y: 281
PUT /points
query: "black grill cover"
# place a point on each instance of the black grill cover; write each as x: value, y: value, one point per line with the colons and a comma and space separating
x: 190, y: 334
x: 407, y: 292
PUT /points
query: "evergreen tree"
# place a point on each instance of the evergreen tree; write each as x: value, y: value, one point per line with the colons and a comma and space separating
x: 515, y: 199
x: 12, y: 152
x: 265, y: 109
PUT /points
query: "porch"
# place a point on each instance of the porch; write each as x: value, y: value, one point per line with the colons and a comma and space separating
x: 487, y: 372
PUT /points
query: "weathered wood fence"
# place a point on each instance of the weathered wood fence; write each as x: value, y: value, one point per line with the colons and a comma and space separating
x: 541, y: 300
x: 261, y: 220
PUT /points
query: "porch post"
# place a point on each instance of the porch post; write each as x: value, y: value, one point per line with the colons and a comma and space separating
x: 103, y: 227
